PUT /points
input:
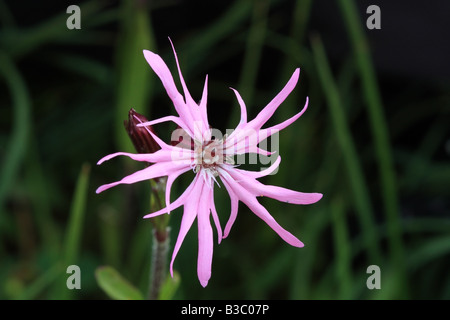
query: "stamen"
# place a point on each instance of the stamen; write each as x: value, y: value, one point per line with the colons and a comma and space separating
x: 209, y: 156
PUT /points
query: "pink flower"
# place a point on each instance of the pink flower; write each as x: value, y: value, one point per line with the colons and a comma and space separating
x: 211, y: 157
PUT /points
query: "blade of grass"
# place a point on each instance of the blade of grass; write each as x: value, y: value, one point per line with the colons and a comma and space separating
x: 18, y: 140
x: 39, y: 285
x: 425, y: 225
x: 83, y: 66
x: 134, y: 86
x: 300, y: 18
x: 197, y: 48
x: 380, y: 136
x: 323, y: 288
x: 20, y: 42
x: 77, y: 212
x: 139, y: 255
x: 134, y: 90
x: 290, y: 46
x: 302, y: 281
x: 300, y: 58
x: 343, y: 135
x: 296, y: 56
x: 342, y: 248
x: 267, y: 276
x: 38, y: 192
x: 419, y: 162
x: 317, y: 221
x: 111, y: 245
x: 253, y: 51
x: 252, y: 56
x: 432, y: 249
x: 74, y: 230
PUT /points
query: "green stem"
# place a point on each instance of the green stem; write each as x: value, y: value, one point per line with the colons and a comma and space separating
x: 160, y: 249
x: 161, y: 240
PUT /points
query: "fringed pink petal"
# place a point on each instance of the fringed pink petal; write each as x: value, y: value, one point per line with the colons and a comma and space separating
x: 250, y: 201
x: 234, y: 209
x: 170, y: 179
x: 241, y: 102
x: 190, y: 212
x: 215, y: 217
x: 158, y: 156
x: 205, y: 237
x: 154, y: 171
x: 163, y: 72
x: 189, y: 101
x: 276, y: 128
x: 269, y: 110
x: 262, y: 173
x: 281, y: 194
x: 203, y: 104
x: 176, y: 120
x: 174, y: 205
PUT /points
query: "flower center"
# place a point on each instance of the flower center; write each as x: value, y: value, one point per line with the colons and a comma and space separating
x: 209, y: 156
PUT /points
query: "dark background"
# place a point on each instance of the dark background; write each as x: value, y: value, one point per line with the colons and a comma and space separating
x: 75, y: 81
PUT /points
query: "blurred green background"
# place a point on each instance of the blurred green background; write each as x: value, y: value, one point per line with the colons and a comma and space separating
x: 374, y: 141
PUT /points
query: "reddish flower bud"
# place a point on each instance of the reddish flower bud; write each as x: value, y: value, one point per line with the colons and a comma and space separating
x: 140, y: 136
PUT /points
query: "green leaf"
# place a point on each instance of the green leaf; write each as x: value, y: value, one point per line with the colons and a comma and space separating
x: 170, y: 287
x: 116, y: 286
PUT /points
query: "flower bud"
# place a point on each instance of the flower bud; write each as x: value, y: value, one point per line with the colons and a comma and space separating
x: 140, y: 136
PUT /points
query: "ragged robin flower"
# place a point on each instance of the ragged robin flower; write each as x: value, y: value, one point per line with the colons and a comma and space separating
x: 211, y: 158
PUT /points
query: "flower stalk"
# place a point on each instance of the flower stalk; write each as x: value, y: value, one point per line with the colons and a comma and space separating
x: 160, y: 250
x: 160, y: 239
x: 144, y: 143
